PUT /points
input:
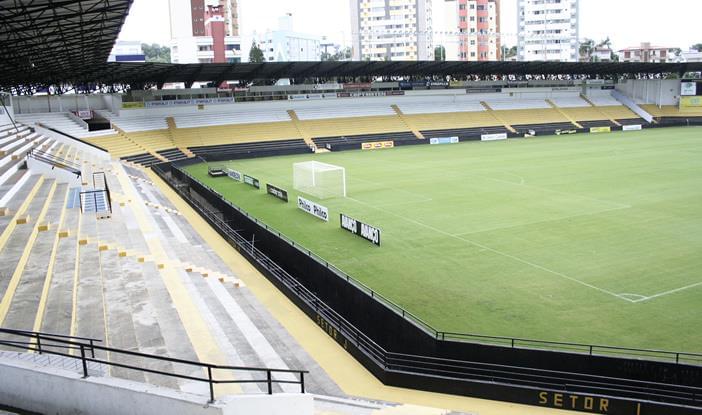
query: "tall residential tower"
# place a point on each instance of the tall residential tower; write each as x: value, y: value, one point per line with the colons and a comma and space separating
x: 392, y: 30
x: 478, y: 25
x: 204, y: 31
x: 548, y: 30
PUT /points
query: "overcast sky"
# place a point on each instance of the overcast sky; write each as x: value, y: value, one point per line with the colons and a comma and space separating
x: 674, y: 23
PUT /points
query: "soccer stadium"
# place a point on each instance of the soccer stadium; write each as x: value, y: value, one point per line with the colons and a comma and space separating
x: 372, y: 237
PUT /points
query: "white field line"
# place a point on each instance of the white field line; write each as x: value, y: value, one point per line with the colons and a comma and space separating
x: 668, y: 292
x: 539, y: 221
x: 543, y: 189
x: 496, y: 251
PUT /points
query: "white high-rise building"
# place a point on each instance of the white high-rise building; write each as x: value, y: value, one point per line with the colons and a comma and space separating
x: 548, y: 30
x: 285, y: 45
x: 392, y: 30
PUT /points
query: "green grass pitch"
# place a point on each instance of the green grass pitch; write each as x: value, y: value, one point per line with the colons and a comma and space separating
x: 585, y: 238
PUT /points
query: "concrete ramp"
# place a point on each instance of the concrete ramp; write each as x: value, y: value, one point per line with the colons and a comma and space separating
x: 629, y: 103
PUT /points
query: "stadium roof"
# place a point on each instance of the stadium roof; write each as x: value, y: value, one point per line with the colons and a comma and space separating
x: 163, y: 73
x: 160, y: 73
x: 48, y: 41
x: 54, y: 42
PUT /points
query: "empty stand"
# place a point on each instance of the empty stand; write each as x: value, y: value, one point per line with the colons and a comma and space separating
x: 64, y: 122
x: 330, y: 142
x: 346, y: 111
x: 240, y: 150
x: 133, y: 124
x: 231, y: 118
x: 441, y: 107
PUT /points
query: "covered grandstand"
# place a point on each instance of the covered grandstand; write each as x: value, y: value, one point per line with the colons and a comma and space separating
x: 170, y: 279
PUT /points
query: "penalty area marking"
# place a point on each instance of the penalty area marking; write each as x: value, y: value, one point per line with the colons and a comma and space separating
x: 664, y: 293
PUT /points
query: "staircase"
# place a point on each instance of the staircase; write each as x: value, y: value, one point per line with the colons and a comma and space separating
x: 407, y: 122
x: 497, y: 117
x: 560, y: 111
x: 300, y: 129
x: 95, y: 201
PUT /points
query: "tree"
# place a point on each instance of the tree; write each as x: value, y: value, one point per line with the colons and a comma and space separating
x: 156, y: 53
x: 586, y: 48
x: 508, y: 52
x: 697, y: 47
x: 256, y: 54
x: 439, y: 53
x: 339, y: 55
x: 607, y: 43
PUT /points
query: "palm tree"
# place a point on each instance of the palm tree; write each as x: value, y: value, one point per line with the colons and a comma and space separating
x: 607, y: 43
x: 586, y: 48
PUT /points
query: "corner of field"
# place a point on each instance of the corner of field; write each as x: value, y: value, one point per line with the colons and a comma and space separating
x: 350, y: 375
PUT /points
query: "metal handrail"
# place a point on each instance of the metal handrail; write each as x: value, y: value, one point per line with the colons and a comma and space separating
x: 54, y: 160
x: 41, y: 343
x: 428, y: 365
x: 512, y: 342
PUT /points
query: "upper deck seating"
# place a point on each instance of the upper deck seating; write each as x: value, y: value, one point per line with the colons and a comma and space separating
x: 441, y: 107
x: 603, y: 100
x: 517, y: 104
x: 231, y: 118
x: 346, y: 111
x: 62, y: 122
x: 146, y: 123
x: 570, y: 102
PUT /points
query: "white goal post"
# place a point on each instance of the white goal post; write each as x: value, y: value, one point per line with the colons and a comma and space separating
x: 318, y: 179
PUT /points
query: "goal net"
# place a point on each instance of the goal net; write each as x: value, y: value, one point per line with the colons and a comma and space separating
x: 321, y: 180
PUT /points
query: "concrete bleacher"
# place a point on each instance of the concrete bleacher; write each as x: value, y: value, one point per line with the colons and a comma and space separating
x: 544, y: 115
x: 64, y: 122
x: 453, y: 120
x: 346, y: 111
x: 441, y: 107
x: 570, y: 102
x: 260, y: 148
x: 146, y: 123
x: 670, y: 111
x: 516, y: 104
x: 231, y: 118
x: 142, y: 280
x: 241, y: 133
x: 354, y: 126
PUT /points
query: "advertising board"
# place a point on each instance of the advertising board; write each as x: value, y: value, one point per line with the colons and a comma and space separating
x: 234, y: 174
x: 364, y: 230
x: 443, y: 140
x: 688, y: 88
x: 277, y: 192
x: 493, y: 137
x: 313, y: 208
x: 252, y: 181
x: 377, y: 145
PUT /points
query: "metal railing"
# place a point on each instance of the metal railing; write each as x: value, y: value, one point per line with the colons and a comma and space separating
x: 55, y: 344
x: 511, y: 342
x: 451, y: 368
x: 55, y: 161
